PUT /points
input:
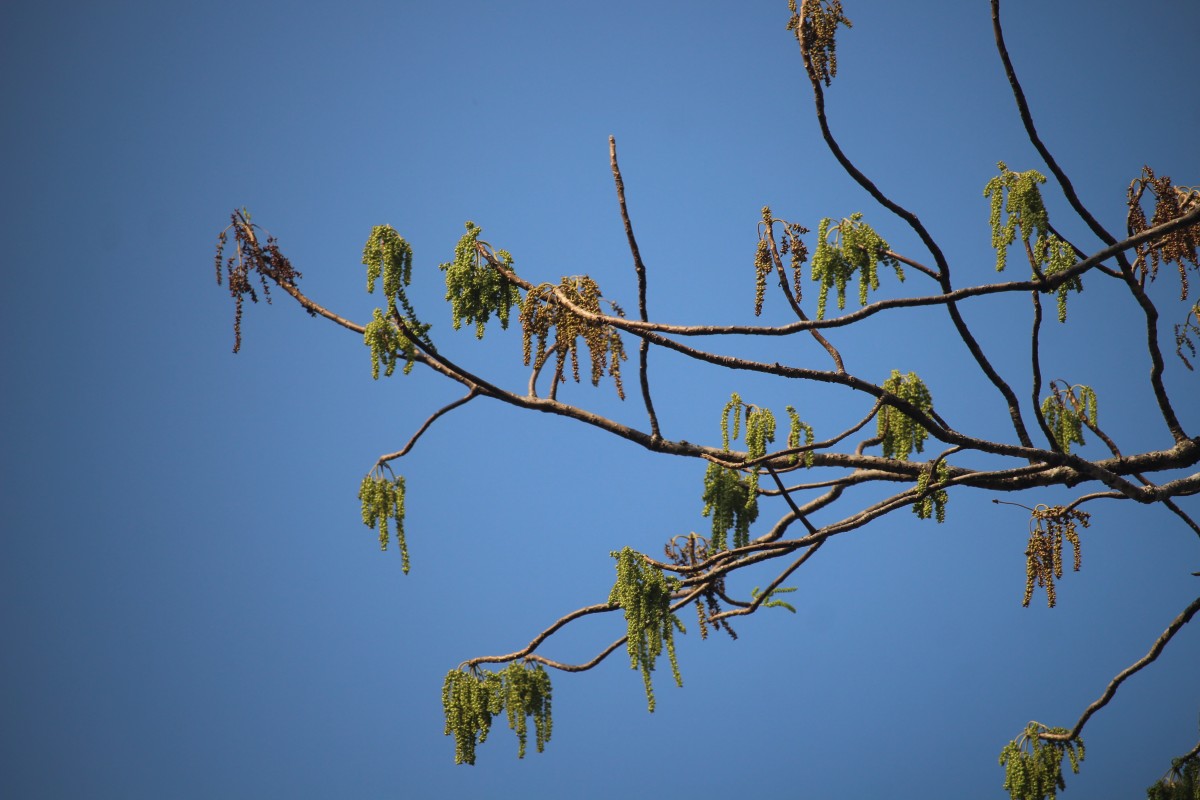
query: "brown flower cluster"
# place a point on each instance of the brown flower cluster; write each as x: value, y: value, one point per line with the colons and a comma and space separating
x: 1048, y: 526
x: 1178, y: 247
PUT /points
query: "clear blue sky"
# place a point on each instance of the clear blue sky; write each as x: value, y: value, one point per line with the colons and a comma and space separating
x: 190, y: 606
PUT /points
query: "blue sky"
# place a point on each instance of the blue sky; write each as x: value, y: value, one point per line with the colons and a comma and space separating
x: 191, y: 607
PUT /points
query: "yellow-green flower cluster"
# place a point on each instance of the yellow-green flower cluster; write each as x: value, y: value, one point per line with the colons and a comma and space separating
x: 1064, y: 412
x: 1182, y: 781
x: 388, y: 345
x: 901, y: 434
x: 471, y: 700
x: 850, y: 246
x: 732, y: 504
x: 797, y: 428
x: 644, y: 593
x: 383, y: 499
x: 387, y: 255
x: 476, y: 290
x: 932, y: 504
x: 730, y: 499
x: 1023, y: 209
x: 771, y: 601
x: 1033, y: 766
x: 1057, y: 256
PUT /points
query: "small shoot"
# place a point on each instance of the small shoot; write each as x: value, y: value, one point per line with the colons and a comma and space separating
x: 772, y: 601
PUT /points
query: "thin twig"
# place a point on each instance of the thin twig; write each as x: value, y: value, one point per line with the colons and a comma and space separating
x: 960, y: 325
x: 470, y: 395
x: 640, y: 269
x: 1138, y: 665
x: 1031, y: 131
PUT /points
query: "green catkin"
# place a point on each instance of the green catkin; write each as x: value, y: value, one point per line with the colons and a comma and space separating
x: 1057, y: 256
x: 1016, y: 204
x: 474, y: 288
x: 730, y: 499
x: 1018, y: 213
x: 1033, y: 766
x: 383, y: 499
x: 388, y: 346
x: 901, y: 434
x: 1062, y: 410
x: 387, y: 255
x: 731, y: 503
x: 796, y: 429
x: 644, y: 593
x: 1182, y: 781
x: 849, y: 247
x: 471, y: 700
x: 934, y: 503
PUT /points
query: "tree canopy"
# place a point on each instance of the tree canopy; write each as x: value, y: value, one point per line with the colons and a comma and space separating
x: 774, y: 498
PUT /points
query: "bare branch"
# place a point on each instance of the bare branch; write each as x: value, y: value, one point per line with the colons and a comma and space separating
x: 1184, y: 617
x: 472, y: 394
x: 1027, y: 119
x: 640, y: 269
